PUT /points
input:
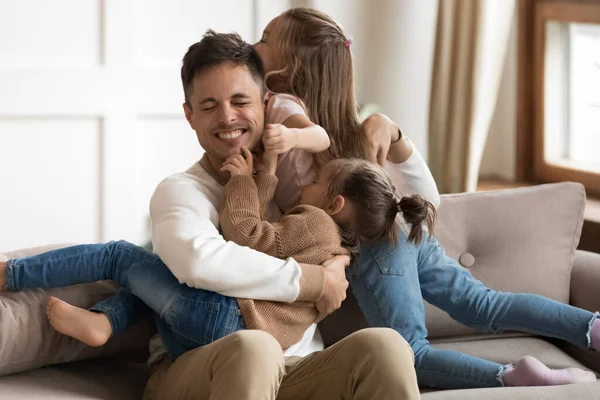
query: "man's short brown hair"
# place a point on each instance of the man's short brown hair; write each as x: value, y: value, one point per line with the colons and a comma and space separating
x: 215, y: 49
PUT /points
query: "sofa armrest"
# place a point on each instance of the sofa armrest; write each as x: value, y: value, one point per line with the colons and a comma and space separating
x: 585, y: 293
x: 585, y: 281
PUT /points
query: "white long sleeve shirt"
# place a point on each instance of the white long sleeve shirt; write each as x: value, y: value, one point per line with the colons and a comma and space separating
x: 185, y: 220
x: 414, y: 177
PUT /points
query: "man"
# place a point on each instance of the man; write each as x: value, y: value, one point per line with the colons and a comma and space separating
x: 223, y: 84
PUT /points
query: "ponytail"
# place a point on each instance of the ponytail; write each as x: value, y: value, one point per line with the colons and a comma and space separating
x: 375, y: 204
x: 416, y: 211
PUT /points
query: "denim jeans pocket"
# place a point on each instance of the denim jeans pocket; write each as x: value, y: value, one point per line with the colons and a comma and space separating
x: 235, y: 321
x: 394, y: 259
x: 193, y: 321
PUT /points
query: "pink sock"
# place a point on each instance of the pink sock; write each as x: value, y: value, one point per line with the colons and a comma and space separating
x: 529, y: 371
x: 595, y: 335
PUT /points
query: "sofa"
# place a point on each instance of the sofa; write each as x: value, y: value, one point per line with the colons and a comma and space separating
x: 521, y: 240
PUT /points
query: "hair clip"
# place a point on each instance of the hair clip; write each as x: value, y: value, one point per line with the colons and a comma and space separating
x: 348, y: 42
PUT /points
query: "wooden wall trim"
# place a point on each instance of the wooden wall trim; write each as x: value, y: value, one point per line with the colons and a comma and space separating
x: 525, y: 90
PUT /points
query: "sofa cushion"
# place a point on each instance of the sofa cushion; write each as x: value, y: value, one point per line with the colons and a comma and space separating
x: 582, y: 391
x: 28, y: 341
x: 509, y: 350
x: 97, y: 380
x: 520, y: 240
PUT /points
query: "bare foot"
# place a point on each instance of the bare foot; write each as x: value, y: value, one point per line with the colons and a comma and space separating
x: 530, y: 371
x: 2, y: 276
x: 88, y: 327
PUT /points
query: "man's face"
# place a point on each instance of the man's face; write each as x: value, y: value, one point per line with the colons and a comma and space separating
x: 227, y: 110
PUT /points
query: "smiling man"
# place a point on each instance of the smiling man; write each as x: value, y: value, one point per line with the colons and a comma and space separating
x: 224, y: 105
x: 222, y: 78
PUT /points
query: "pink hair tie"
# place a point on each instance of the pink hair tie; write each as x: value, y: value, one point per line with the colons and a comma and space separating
x: 348, y: 42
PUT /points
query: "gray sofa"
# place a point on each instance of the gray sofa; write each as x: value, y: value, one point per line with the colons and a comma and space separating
x: 515, y: 240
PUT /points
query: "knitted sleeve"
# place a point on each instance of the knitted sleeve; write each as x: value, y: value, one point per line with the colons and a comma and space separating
x: 240, y: 217
x: 266, y: 185
x: 305, y: 233
x: 241, y: 223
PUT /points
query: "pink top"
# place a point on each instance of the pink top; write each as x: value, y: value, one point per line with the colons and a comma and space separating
x: 294, y: 168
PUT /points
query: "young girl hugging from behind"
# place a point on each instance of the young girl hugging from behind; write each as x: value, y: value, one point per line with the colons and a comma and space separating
x: 309, y: 74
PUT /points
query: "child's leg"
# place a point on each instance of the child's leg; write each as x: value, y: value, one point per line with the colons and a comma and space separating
x: 74, y: 265
x: 99, y: 323
x: 91, y: 328
x: 122, y: 309
x: 195, y: 317
x: 187, y: 318
x: 386, y: 283
x: 104, y: 319
x: 445, y: 284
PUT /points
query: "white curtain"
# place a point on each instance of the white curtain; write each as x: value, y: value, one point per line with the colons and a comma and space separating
x: 471, y: 42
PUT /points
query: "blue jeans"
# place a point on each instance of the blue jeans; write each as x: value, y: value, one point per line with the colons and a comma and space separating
x: 390, y: 282
x: 187, y: 318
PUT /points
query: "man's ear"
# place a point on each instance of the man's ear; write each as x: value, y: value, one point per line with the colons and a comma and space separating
x: 335, y: 205
x: 188, y: 114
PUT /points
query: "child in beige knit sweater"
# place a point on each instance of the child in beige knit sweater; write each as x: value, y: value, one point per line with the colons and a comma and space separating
x: 351, y: 201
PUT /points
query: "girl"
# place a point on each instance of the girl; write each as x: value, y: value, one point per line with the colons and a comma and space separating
x: 352, y: 196
x: 307, y: 54
x: 308, y: 62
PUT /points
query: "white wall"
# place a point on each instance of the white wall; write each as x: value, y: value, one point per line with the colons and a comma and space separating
x: 90, y: 110
x: 91, y: 100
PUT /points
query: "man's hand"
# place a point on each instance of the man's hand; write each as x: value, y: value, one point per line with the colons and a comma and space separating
x: 278, y: 138
x: 336, y: 284
x: 238, y: 164
x: 381, y: 131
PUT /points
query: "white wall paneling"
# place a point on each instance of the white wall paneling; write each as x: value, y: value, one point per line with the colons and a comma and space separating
x: 90, y: 110
x: 155, y: 137
x: 165, y: 29
x: 51, y: 176
x: 41, y: 32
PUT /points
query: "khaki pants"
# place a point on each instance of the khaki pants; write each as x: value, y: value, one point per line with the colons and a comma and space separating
x: 375, y: 363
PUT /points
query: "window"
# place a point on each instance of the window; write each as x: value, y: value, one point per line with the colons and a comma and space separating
x: 572, y: 95
x: 559, y: 92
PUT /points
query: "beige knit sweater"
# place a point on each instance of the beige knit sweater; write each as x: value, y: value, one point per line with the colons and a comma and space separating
x: 305, y: 233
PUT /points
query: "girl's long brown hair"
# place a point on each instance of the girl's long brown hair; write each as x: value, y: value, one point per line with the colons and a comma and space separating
x: 318, y: 70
